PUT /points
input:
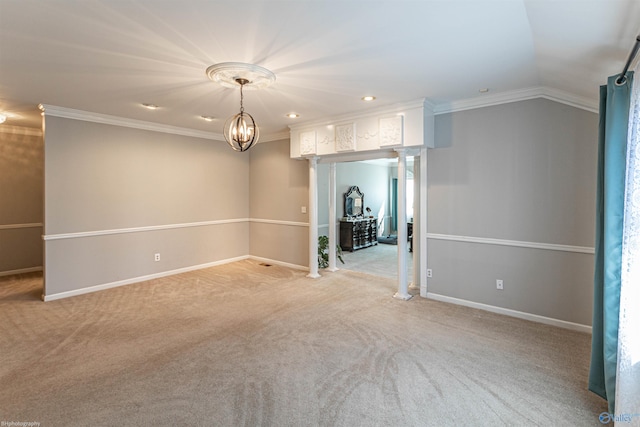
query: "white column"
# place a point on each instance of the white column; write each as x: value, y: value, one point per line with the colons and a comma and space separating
x: 420, y: 240
x: 403, y: 292
x: 333, y: 242
x: 313, y: 218
x: 415, y: 280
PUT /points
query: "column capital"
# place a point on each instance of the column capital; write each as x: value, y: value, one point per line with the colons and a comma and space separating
x: 402, y: 151
x: 407, y: 151
x: 313, y: 159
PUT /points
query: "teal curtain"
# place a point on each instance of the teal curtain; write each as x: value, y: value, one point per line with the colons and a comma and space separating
x: 612, y: 154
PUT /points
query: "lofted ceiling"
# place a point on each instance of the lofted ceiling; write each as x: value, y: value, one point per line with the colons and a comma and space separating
x: 110, y: 56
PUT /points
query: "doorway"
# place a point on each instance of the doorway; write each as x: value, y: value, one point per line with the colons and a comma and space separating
x: 378, y: 180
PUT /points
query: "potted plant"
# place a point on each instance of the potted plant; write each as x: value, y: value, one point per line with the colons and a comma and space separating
x: 323, y: 252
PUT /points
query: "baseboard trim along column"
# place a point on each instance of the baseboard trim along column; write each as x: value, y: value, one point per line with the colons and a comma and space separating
x: 512, y: 313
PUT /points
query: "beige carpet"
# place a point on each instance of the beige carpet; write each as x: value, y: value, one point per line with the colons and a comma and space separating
x: 248, y: 345
x: 379, y: 260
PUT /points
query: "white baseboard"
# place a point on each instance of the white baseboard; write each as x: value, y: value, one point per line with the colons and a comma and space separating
x: 104, y: 286
x: 280, y: 263
x: 20, y: 271
x: 513, y: 313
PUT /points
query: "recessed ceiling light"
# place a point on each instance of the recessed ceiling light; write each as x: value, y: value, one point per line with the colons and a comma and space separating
x: 208, y: 118
x: 484, y: 90
x: 368, y: 98
x: 293, y: 115
x: 150, y: 106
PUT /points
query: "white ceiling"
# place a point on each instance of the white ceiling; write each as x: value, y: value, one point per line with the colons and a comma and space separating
x: 110, y: 56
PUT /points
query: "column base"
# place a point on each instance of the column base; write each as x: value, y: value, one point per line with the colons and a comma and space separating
x: 313, y: 275
x: 404, y: 297
x: 333, y: 269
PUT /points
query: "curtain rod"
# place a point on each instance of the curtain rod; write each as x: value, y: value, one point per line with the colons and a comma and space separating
x: 632, y: 55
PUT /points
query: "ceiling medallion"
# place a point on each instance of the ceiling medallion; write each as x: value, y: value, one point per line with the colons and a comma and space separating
x: 241, y: 131
x: 227, y: 74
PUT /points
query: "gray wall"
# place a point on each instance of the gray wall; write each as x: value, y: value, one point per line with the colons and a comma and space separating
x: 111, y: 183
x: 279, y: 188
x: 520, y: 172
x: 21, y: 195
x: 525, y: 172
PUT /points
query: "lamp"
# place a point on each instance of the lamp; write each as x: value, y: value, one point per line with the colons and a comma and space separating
x: 241, y: 131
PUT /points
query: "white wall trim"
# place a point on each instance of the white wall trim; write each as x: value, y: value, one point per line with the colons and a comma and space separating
x: 519, y: 95
x: 278, y: 222
x: 512, y: 313
x: 140, y: 229
x: 280, y: 263
x: 68, y: 113
x: 515, y: 243
x: 104, y: 286
x: 14, y: 226
x: 20, y: 271
x: 81, y: 234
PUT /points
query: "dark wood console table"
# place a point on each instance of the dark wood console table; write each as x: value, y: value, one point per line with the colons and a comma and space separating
x: 358, y: 233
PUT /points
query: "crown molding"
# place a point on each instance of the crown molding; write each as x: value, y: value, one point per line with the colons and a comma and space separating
x: 567, y: 98
x: 518, y: 95
x: 20, y: 130
x: 552, y: 94
x: 274, y: 137
x: 68, y: 113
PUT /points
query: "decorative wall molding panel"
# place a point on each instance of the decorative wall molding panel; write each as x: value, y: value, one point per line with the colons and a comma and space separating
x: 402, y: 125
x: 391, y: 131
x: 346, y: 137
x: 308, y: 143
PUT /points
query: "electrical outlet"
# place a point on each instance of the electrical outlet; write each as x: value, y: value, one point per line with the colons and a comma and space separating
x: 156, y: 257
x: 499, y: 284
x: 303, y: 209
x: 429, y: 272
